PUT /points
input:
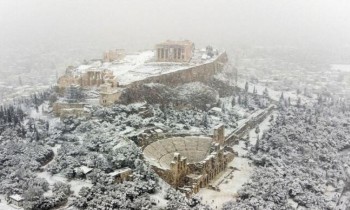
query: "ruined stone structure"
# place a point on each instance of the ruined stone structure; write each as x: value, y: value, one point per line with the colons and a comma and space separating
x: 64, y: 109
x: 109, y: 91
x: 15, y: 199
x: 113, y: 55
x: 174, y: 51
x: 219, y: 134
x: 189, y: 163
x: 121, y: 175
x: 92, y: 77
x: 97, y: 74
x: 249, y: 123
x: 109, y: 95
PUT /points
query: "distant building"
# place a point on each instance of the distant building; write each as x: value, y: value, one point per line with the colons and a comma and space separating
x: 109, y: 95
x: 113, y: 55
x: 174, y: 51
x: 91, y: 77
x: 121, y: 175
x: 64, y: 109
x: 16, y: 199
x: 84, y: 170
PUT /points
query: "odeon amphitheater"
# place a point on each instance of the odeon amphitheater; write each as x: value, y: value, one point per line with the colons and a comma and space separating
x: 191, y: 162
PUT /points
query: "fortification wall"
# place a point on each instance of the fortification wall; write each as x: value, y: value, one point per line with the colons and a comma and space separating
x: 200, y: 73
x: 59, y: 106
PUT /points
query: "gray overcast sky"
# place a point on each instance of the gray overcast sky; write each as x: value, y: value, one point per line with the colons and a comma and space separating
x: 138, y: 24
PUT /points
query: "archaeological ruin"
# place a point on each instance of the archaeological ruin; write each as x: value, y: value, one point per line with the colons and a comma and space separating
x: 189, y: 163
x: 171, y: 63
x: 174, y: 51
x: 113, y: 55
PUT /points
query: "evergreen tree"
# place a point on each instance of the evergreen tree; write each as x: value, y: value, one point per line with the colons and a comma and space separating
x: 233, y: 102
x: 282, y: 97
x: 246, y: 87
x: 266, y: 93
x: 223, y: 108
x: 257, y: 144
x: 205, y: 121
x: 298, y: 102
x: 245, y: 101
x: 298, y: 91
x: 289, y: 103
x: 257, y: 130
x: 218, y: 104
x: 286, y: 103
x: 319, y: 99
x: 20, y: 81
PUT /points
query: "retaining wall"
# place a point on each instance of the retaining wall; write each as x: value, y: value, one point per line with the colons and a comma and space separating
x: 200, y: 73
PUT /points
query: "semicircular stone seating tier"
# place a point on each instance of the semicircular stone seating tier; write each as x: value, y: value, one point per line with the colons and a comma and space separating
x: 161, y: 153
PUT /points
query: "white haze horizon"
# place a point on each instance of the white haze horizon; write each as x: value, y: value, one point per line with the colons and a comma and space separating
x: 64, y: 31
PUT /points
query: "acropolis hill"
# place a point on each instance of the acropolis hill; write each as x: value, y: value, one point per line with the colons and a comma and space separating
x: 171, y: 63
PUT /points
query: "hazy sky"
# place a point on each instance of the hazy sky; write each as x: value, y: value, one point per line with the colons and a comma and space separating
x: 139, y: 24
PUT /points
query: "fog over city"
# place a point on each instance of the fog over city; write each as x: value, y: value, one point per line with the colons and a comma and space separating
x: 138, y: 24
x: 174, y: 104
x: 64, y: 31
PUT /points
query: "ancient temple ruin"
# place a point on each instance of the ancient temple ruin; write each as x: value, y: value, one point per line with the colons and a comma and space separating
x: 174, y: 51
x: 114, y: 55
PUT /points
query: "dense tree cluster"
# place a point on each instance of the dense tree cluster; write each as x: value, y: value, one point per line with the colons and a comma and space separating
x: 11, y: 116
x: 127, y: 119
x: 92, y: 144
x: 302, y: 160
x: 19, y: 160
x: 36, y: 146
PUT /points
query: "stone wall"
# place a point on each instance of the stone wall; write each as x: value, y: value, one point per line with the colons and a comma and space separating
x: 75, y: 113
x: 242, y: 130
x: 108, y: 99
x: 109, y: 95
x: 200, y: 73
x: 219, y: 134
x: 64, y: 110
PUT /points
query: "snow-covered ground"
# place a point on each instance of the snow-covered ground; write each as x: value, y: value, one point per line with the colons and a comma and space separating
x: 76, y: 184
x: 275, y: 94
x: 40, y: 112
x: 5, y: 206
x: 159, y: 197
x: 238, y: 172
x: 340, y: 67
x: 141, y: 65
x: 51, y: 179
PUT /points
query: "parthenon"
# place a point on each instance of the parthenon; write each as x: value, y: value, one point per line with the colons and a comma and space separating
x: 174, y: 51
